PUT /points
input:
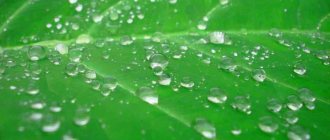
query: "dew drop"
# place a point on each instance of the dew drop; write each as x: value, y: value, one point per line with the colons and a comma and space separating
x: 36, y: 53
x: 298, y: 133
x: 61, y: 48
x: 205, y: 128
x: 164, y: 79
x: 299, y: 69
x: 274, y: 105
x: 217, y: 37
x: 187, y: 82
x: 148, y: 95
x: 227, y: 63
x: 50, y: 124
x: 84, y: 39
x: 217, y: 96
x: 267, y: 124
x: 294, y: 103
x: 126, y: 40
x: 259, y: 75
x: 242, y: 104
x: 71, y: 69
x: 158, y: 60
x: 81, y: 117
x: 290, y: 117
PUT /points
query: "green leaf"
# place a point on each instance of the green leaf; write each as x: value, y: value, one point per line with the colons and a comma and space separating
x: 164, y: 69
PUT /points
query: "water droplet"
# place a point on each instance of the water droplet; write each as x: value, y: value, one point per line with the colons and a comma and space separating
x: 84, y: 39
x: 36, y: 53
x: 158, y: 60
x: 32, y: 88
x: 61, y: 48
x: 71, y: 69
x: 172, y: 1
x: 242, y: 104
x: 97, y: 18
x: 259, y: 75
x: 224, y: 2
x: 299, y: 69
x: 90, y: 75
x: 236, y: 132
x: 81, y: 117
x: 217, y: 96
x: 290, y: 117
x: 126, y: 40
x: 73, y: 1
x: 217, y: 37
x: 202, y: 25
x: 306, y: 95
x: 187, y: 82
x: 294, y: 103
x: 267, y: 124
x: 227, y: 63
x: 274, y: 105
x: 50, y: 124
x: 164, y: 79
x: 205, y: 128
x: 75, y: 55
x: 298, y: 133
x: 148, y: 95
x: 113, y: 15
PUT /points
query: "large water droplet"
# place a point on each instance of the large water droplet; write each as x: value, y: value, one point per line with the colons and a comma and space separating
x: 164, y: 79
x: 217, y: 37
x: 205, y: 128
x: 227, y: 63
x: 259, y: 75
x: 71, y: 69
x: 299, y: 69
x: 298, y: 133
x: 274, y: 105
x: 294, y: 103
x: 50, y: 124
x: 158, y: 60
x: 81, y: 117
x: 187, y: 82
x: 217, y: 96
x: 61, y: 48
x: 36, y: 53
x: 242, y: 104
x: 267, y: 124
x: 148, y: 95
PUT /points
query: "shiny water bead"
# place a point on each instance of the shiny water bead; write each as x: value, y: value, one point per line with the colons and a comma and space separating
x: 224, y: 2
x: 259, y: 75
x: 217, y: 96
x: 71, y: 69
x: 202, y: 25
x: 299, y: 69
x: 61, y: 48
x: 50, y: 124
x: 242, y: 104
x: 227, y: 63
x: 82, y: 117
x: 293, y: 103
x: 274, y: 105
x: 217, y: 37
x: 306, y: 95
x: 126, y: 40
x: 158, y: 60
x: 205, y: 128
x: 32, y: 88
x: 298, y: 133
x: 267, y: 124
x: 187, y: 82
x: 109, y: 85
x: 290, y: 117
x: 75, y: 55
x: 90, y: 74
x: 84, y: 39
x: 36, y: 53
x: 148, y: 95
x: 164, y: 79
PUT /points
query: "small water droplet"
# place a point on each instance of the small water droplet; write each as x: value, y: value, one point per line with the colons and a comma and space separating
x: 61, y: 48
x: 71, y: 69
x: 299, y: 69
x: 126, y: 40
x: 50, y: 124
x: 84, y: 39
x: 290, y: 117
x: 164, y: 79
x: 227, y: 63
